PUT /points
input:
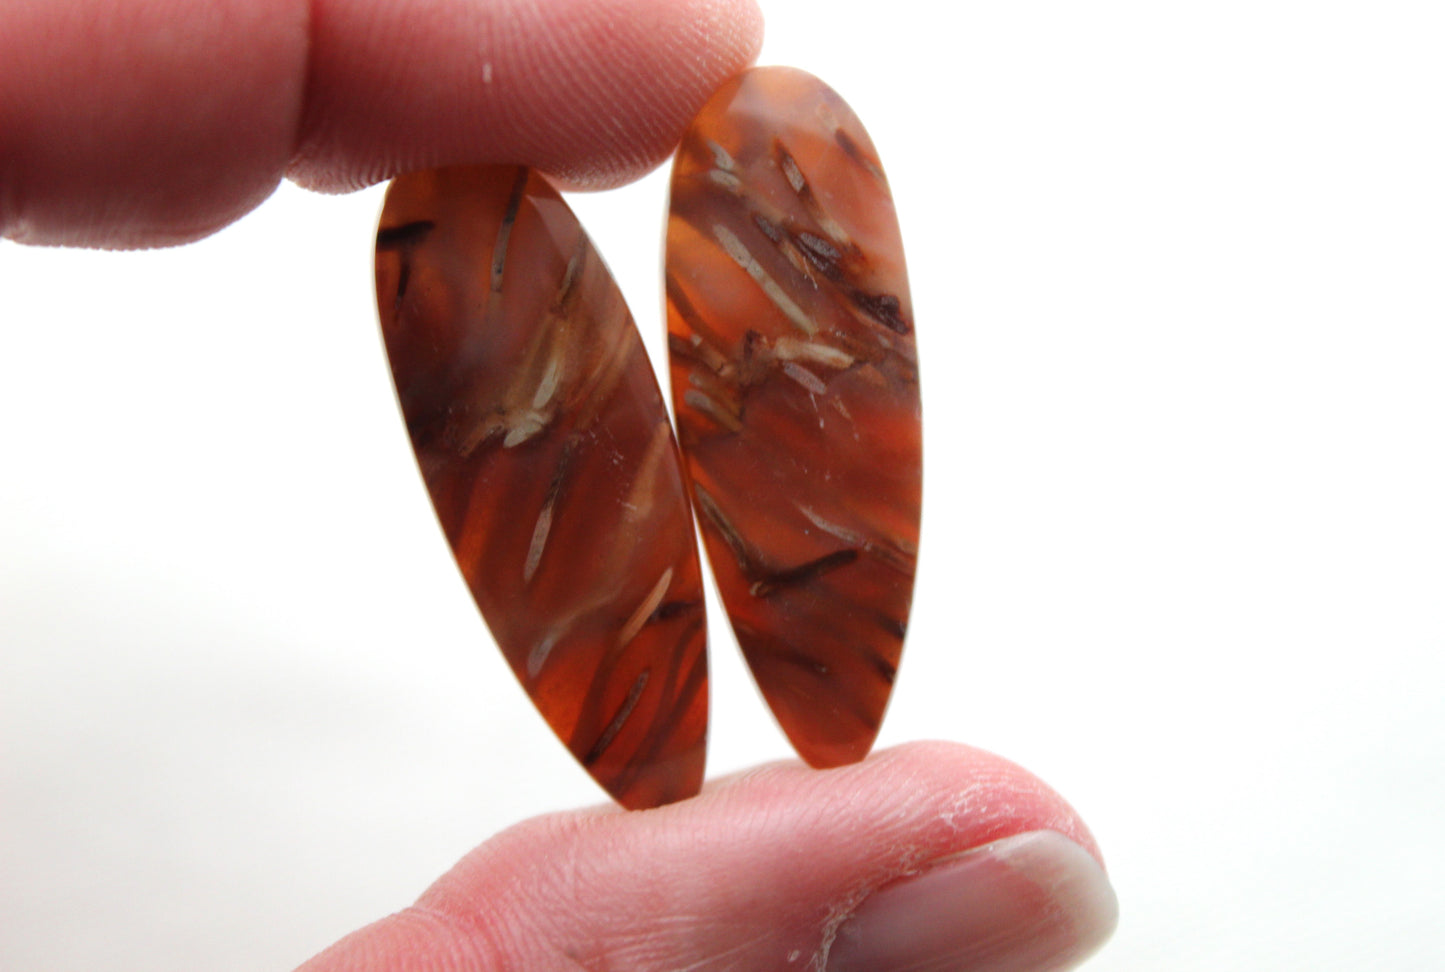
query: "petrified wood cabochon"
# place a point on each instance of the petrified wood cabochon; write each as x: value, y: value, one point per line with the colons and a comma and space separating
x: 795, y: 385
x: 546, y: 448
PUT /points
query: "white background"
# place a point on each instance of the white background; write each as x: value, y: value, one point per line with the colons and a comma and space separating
x: 1179, y: 272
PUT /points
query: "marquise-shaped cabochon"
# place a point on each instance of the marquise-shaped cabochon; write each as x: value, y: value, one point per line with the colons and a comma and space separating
x: 795, y: 385
x: 546, y: 448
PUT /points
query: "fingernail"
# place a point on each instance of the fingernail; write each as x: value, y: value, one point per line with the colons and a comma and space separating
x: 1036, y: 902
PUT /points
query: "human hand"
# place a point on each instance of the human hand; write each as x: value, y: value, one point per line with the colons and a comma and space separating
x: 156, y: 122
x: 927, y: 856
x: 150, y: 126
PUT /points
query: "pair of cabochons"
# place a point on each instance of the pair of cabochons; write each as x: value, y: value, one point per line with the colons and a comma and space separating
x: 547, y: 451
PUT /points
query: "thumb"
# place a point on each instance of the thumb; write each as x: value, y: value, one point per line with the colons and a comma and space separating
x: 931, y: 856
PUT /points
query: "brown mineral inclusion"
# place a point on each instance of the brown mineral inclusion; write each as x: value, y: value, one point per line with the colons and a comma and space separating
x: 795, y: 385
x: 546, y: 448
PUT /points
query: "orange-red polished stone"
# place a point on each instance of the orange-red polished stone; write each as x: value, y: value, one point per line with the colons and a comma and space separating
x: 547, y: 451
x: 795, y: 385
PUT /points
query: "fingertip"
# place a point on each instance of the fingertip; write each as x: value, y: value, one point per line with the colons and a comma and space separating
x: 593, y: 92
x: 952, y: 795
x: 1032, y: 803
x: 773, y: 863
x: 144, y: 124
x: 157, y: 122
x: 1033, y: 901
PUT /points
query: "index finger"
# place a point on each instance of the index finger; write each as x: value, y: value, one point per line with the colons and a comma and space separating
x: 156, y: 122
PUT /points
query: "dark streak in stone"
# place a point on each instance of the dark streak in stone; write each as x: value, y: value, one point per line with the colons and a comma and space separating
x: 567, y: 290
x: 504, y: 232
x: 883, y: 308
x: 615, y: 726
x: 407, y: 234
x: 798, y: 182
x: 673, y: 609
x: 755, y: 362
x: 885, y: 669
x: 770, y: 229
x: 803, y: 573
x: 821, y: 254
x: 776, y: 653
x: 766, y: 581
x: 742, y: 550
x: 559, y: 475
x: 892, y: 625
x: 855, y: 152
x: 402, y: 238
x: 667, y: 717
x: 403, y: 280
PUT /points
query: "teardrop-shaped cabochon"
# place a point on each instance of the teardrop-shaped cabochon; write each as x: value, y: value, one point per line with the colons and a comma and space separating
x: 545, y: 446
x: 795, y: 385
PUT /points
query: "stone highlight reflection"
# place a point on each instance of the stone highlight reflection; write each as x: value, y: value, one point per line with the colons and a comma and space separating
x: 544, y: 443
x: 795, y: 386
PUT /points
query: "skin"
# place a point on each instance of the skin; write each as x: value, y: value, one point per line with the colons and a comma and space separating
x: 759, y: 866
x: 157, y: 122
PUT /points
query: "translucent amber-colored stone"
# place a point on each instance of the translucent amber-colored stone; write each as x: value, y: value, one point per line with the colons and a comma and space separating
x: 545, y: 445
x: 795, y: 385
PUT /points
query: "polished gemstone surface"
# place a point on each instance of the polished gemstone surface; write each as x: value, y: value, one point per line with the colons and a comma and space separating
x: 546, y: 448
x: 795, y: 385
